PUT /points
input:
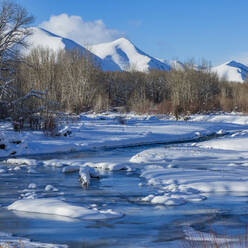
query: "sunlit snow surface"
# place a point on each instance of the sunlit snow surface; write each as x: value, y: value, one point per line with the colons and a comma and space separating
x: 105, y: 131
x: 232, y: 71
x: 127, y: 56
x: 149, y: 195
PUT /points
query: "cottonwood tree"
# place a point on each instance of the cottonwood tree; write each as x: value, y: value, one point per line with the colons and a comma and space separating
x: 14, y: 21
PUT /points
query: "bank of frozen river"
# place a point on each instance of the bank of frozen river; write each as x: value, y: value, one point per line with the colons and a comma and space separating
x: 101, y: 131
x: 145, y: 196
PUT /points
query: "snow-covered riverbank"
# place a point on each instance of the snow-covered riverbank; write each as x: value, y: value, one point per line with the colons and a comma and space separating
x: 173, y: 176
x: 106, y: 131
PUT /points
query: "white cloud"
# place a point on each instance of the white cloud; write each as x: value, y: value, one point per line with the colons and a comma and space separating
x: 82, y: 32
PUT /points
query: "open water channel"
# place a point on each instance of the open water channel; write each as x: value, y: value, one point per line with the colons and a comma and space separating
x: 142, y: 224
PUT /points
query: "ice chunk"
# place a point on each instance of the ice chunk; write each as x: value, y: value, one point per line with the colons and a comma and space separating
x: 51, y: 188
x: 58, y: 207
x: 32, y: 186
x: 22, y: 161
x: 86, y: 173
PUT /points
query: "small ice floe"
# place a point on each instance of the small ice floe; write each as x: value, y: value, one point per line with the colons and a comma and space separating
x: 171, y: 165
x: 58, y: 163
x: 232, y: 164
x: 58, y: 207
x: 75, y: 165
x: 108, y: 166
x: 86, y: 173
x: 245, y: 164
x: 93, y: 206
x: 32, y: 186
x: 169, y: 199
x: 197, y: 133
x: 51, y: 188
x: 29, y: 195
x: 71, y: 169
x: 221, y: 131
x: 22, y: 161
x: 2, y: 171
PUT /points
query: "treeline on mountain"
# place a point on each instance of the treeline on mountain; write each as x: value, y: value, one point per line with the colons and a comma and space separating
x: 74, y: 83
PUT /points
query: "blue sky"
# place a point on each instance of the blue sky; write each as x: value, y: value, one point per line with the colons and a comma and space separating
x: 215, y: 30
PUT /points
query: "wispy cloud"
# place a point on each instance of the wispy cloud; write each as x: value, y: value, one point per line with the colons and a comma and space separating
x: 83, y: 32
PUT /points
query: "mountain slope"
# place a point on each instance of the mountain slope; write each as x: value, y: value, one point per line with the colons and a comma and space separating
x: 177, y: 65
x: 126, y: 56
x: 231, y: 71
x: 43, y: 38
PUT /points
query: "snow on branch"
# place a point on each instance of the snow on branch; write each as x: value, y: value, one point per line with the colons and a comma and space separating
x: 31, y: 93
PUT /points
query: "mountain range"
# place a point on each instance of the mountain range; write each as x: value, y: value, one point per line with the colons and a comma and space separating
x: 123, y: 55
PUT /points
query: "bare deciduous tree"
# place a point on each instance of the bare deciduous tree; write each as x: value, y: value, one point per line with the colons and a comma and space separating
x: 14, y: 21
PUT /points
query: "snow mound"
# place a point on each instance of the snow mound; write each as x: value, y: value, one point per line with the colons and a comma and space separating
x: 51, y: 188
x: 186, y: 174
x: 231, y: 71
x: 86, y: 173
x: 58, y: 163
x: 58, y: 207
x: 236, y: 142
x: 127, y: 56
x: 22, y: 161
x: 108, y: 166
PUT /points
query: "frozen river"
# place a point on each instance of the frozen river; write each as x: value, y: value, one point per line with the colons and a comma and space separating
x: 143, y: 223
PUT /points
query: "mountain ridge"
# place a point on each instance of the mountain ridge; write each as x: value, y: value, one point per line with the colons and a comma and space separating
x: 127, y: 56
x: 231, y: 71
x: 123, y: 55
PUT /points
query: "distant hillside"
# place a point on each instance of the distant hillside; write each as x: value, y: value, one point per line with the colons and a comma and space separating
x: 43, y: 38
x: 127, y: 56
x: 232, y: 71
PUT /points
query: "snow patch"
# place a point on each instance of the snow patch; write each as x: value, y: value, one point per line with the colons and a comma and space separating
x: 58, y: 207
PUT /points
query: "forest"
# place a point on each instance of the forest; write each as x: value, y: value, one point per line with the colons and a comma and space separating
x: 45, y: 82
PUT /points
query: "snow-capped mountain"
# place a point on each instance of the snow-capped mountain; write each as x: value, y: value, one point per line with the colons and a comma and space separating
x: 176, y: 64
x: 43, y: 38
x: 232, y: 71
x: 127, y: 56
x: 118, y: 55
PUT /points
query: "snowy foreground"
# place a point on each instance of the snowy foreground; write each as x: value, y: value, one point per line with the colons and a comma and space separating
x: 213, y: 159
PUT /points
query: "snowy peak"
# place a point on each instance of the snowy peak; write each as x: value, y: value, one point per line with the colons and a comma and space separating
x: 232, y: 71
x: 43, y: 38
x: 127, y: 56
x: 117, y: 55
